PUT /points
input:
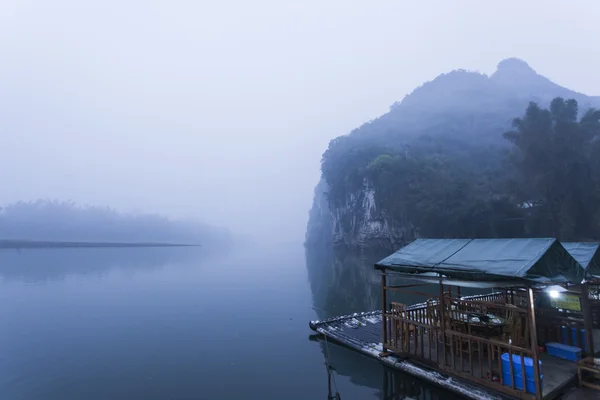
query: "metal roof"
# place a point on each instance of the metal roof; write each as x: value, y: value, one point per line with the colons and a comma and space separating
x: 586, y: 254
x: 535, y: 259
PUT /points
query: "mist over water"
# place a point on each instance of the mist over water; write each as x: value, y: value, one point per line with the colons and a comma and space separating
x: 182, y: 323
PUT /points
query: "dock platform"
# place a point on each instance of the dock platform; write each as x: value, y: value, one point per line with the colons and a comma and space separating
x: 363, y: 331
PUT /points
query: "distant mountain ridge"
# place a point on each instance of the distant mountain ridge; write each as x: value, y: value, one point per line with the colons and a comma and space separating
x: 513, y: 79
x: 459, y: 94
x: 458, y: 115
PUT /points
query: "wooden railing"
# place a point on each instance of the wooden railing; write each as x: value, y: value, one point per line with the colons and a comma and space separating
x: 490, y: 297
x: 410, y: 331
x: 594, y: 296
x: 445, y: 337
x: 479, y: 359
x: 555, y: 326
x: 512, y: 319
x: 595, y: 308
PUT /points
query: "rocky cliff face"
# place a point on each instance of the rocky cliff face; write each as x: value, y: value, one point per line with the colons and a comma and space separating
x: 319, y: 229
x: 358, y: 224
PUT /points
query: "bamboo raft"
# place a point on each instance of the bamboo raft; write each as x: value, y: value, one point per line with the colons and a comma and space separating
x: 362, y: 332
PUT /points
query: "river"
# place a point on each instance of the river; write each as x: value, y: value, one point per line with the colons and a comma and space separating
x: 185, y: 324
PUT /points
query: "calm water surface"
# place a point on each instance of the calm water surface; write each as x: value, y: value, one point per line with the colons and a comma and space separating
x: 184, y: 324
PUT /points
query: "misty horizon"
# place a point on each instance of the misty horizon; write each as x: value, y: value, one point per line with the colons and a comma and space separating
x: 222, y: 113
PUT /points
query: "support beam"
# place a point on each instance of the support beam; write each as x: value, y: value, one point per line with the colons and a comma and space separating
x: 414, y: 293
x: 383, y: 311
x: 406, y: 286
x: 587, y: 318
x: 534, y: 343
x: 442, y: 321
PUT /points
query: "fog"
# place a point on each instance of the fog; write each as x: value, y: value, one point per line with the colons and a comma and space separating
x: 221, y: 111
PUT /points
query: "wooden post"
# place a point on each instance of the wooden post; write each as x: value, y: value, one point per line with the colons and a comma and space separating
x: 383, y: 311
x: 587, y: 318
x: 458, y: 292
x: 442, y: 323
x: 534, y: 344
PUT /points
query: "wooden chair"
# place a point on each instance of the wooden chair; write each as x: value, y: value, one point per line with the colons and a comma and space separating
x: 513, y: 328
x: 455, y: 318
x: 433, y: 312
x: 510, y: 314
x: 512, y: 331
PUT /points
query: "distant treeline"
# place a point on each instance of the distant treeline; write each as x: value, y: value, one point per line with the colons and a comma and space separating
x: 44, y: 220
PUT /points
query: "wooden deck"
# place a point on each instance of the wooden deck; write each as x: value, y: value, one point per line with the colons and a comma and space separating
x: 362, y: 332
x: 582, y: 393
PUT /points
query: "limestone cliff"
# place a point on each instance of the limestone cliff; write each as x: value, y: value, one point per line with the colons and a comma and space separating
x: 461, y: 115
x: 357, y: 224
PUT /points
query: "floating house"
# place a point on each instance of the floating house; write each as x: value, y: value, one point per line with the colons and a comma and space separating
x: 527, y: 334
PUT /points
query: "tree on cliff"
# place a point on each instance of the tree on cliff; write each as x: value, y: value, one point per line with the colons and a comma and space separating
x: 554, y: 155
x: 445, y: 195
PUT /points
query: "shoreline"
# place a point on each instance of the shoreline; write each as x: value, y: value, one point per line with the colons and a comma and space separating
x: 37, y: 244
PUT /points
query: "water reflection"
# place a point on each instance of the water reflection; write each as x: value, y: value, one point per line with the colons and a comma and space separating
x: 40, y: 265
x: 388, y: 384
x: 344, y: 282
x: 396, y: 386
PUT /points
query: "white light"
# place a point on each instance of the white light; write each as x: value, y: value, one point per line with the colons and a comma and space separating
x: 554, y: 294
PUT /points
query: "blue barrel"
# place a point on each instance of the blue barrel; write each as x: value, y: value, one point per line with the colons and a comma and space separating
x: 529, y: 373
x: 530, y: 383
x: 517, y: 373
x: 583, y: 340
x: 575, y: 338
x: 565, y: 337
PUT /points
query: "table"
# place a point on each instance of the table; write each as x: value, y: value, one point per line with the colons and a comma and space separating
x: 587, y: 364
x: 487, y: 324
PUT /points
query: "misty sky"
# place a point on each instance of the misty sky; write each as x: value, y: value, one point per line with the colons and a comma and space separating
x: 221, y: 110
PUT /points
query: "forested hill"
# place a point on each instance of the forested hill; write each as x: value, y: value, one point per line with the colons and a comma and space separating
x: 68, y: 222
x: 439, y: 162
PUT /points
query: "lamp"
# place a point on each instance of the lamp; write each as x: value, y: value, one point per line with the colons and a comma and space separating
x: 554, y: 290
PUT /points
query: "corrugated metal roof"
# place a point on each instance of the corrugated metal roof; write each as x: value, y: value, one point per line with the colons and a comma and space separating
x: 586, y: 254
x: 535, y: 259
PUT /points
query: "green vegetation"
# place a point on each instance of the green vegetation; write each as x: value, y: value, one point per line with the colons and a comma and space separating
x: 454, y: 175
x: 555, y: 157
